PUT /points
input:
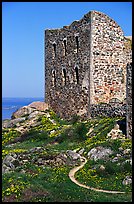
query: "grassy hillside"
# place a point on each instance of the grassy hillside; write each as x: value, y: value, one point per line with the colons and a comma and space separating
x: 41, y: 174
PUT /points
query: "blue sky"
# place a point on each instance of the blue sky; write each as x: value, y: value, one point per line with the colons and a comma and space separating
x: 23, y: 25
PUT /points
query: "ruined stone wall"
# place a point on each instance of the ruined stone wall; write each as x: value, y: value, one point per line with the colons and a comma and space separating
x: 108, y: 110
x: 108, y: 60
x: 67, y: 68
x: 85, y: 64
x: 129, y: 100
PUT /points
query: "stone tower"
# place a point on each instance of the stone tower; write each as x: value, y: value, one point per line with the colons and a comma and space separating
x: 85, y: 63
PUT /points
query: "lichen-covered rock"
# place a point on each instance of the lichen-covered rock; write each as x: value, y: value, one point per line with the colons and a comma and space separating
x: 81, y: 151
x: 41, y: 106
x: 127, y: 151
x: 5, y: 169
x: 115, y: 159
x: 36, y: 149
x: 128, y: 161
x: 12, y: 123
x: 102, y: 167
x: 23, y: 111
x: 73, y: 155
x: 56, y: 160
x: 99, y: 153
x: 127, y: 180
x: 10, y: 162
x: 34, y: 114
x: 116, y: 133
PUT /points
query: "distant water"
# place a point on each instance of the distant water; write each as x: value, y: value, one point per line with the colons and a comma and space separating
x: 10, y: 105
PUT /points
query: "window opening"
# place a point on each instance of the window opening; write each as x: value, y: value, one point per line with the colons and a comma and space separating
x: 65, y: 47
x: 54, y: 48
x: 53, y: 78
x: 64, y: 76
x: 77, y: 75
x: 77, y: 43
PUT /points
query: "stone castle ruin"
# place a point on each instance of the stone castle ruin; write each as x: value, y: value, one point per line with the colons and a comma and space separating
x: 86, y: 66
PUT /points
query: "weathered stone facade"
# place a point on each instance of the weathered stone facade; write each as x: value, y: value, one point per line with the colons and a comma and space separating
x: 129, y: 100
x: 85, y: 64
x: 108, y: 110
x: 108, y: 68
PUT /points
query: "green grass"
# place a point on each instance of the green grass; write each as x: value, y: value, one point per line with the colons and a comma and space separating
x: 59, y: 187
x: 109, y: 179
x: 8, y: 135
x: 52, y: 184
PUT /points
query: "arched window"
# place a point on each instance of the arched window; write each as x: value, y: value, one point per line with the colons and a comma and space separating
x: 54, y: 78
x: 65, y: 47
x: 64, y: 76
x: 54, y: 49
x: 114, y: 100
x: 77, y: 43
x: 77, y: 74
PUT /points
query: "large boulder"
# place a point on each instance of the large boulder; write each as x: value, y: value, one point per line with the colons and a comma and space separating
x: 127, y: 180
x: 5, y: 169
x: 23, y: 111
x: 41, y: 106
x: 12, y: 123
x: 116, y: 133
x: 10, y: 162
x: 81, y: 151
x: 73, y: 155
x: 99, y: 153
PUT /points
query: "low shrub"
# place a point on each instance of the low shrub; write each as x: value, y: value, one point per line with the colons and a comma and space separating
x: 112, y: 168
x: 80, y: 131
x: 74, y: 119
x: 38, y: 136
x: 76, y: 132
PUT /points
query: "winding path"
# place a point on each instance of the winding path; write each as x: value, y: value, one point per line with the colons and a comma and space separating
x: 75, y: 169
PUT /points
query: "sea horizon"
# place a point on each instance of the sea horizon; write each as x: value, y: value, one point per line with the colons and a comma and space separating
x: 12, y: 104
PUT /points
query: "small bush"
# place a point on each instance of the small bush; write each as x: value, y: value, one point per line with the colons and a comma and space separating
x: 74, y: 119
x: 36, y: 135
x: 76, y: 132
x: 80, y: 131
x: 127, y: 167
x: 65, y: 135
x: 112, y: 168
x: 42, y: 136
x: 115, y: 144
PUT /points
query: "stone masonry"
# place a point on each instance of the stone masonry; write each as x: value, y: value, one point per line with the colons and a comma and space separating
x: 85, y: 65
x: 129, y: 100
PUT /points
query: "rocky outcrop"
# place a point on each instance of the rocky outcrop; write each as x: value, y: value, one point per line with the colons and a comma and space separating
x: 26, y: 117
x: 36, y: 156
x: 115, y: 133
x: 127, y: 180
x: 81, y: 151
x: 23, y: 111
x: 99, y: 153
x: 73, y: 155
x: 10, y: 162
x: 56, y: 161
x: 27, y: 110
x: 12, y: 123
x: 34, y: 114
x: 41, y: 106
